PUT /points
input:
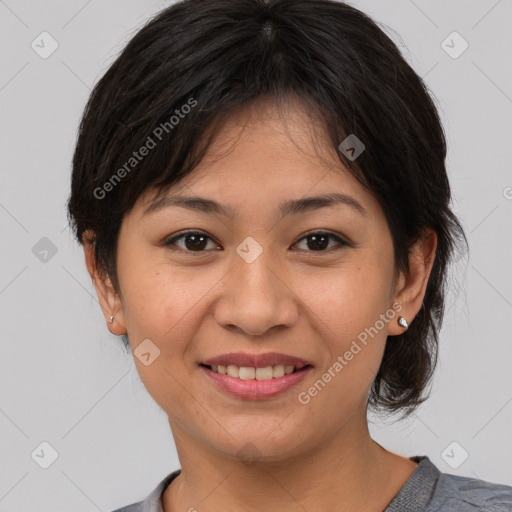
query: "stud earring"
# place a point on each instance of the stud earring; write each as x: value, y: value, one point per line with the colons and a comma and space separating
x: 111, y: 318
x: 403, y: 322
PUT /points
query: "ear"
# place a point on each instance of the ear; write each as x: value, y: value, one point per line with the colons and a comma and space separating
x: 109, y: 300
x: 411, y: 287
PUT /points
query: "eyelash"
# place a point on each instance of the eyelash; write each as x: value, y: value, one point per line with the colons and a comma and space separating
x: 172, y: 241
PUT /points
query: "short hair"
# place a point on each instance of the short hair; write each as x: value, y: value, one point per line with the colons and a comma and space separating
x: 190, y: 66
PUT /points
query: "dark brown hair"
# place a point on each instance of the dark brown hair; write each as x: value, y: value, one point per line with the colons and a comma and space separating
x: 216, y: 55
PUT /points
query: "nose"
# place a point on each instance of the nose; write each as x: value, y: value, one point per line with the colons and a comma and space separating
x: 256, y: 298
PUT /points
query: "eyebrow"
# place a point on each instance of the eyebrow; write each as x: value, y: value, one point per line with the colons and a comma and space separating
x: 291, y: 207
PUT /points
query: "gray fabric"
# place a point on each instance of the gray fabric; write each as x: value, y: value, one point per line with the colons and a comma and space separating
x: 426, y: 490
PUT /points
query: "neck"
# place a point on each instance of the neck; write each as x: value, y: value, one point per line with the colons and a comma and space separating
x: 345, y: 472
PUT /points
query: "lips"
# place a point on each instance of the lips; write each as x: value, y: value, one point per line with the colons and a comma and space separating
x: 256, y: 360
x: 255, y: 389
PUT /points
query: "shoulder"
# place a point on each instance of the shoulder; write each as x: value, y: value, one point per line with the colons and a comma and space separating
x: 466, y: 494
x: 430, y: 490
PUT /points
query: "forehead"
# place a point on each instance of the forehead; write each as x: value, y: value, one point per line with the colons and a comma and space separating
x: 265, y: 143
x: 266, y: 156
x: 268, y: 128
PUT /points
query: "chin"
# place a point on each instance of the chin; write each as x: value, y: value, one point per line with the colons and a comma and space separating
x: 260, y: 448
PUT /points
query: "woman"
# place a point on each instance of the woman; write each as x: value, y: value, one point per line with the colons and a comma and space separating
x: 261, y: 192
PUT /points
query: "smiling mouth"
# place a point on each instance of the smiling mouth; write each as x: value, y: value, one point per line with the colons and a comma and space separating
x: 253, y: 373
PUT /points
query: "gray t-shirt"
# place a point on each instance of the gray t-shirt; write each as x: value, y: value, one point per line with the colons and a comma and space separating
x: 426, y: 490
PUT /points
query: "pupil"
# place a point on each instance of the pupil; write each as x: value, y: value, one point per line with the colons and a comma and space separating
x: 198, y: 241
x: 316, y: 239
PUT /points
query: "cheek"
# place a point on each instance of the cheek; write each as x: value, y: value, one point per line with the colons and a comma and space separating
x: 349, y: 307
x: 347, y: 299
x: 163, y: 302
x: 162, y: 305
x: 346, y: 313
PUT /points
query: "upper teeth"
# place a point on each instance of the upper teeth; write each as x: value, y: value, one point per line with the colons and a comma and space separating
x: 248, y: 373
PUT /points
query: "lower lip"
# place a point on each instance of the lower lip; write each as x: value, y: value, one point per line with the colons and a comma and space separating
x: 256, y: 389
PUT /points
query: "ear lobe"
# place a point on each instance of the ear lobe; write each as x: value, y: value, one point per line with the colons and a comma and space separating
x: 109, y: 300
x: 411, y: 288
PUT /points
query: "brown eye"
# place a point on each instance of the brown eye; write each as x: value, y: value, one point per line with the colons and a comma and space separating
x: 196, y: 241
x: 319, y: 241
x: 193, y: 241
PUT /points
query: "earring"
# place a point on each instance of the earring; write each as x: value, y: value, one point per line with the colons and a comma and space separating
x: 111, y: 318
x: 403, y: 322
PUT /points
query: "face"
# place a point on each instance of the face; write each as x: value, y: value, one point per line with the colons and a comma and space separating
x: 253, y: 277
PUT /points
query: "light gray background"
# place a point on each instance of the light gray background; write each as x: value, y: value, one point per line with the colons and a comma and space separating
x: 66, y: 380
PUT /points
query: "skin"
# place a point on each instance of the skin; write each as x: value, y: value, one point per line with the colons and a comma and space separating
x: 292, y: 299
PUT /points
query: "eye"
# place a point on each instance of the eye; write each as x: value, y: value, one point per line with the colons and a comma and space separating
x: 319, y: 241
x: 196, y: 241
